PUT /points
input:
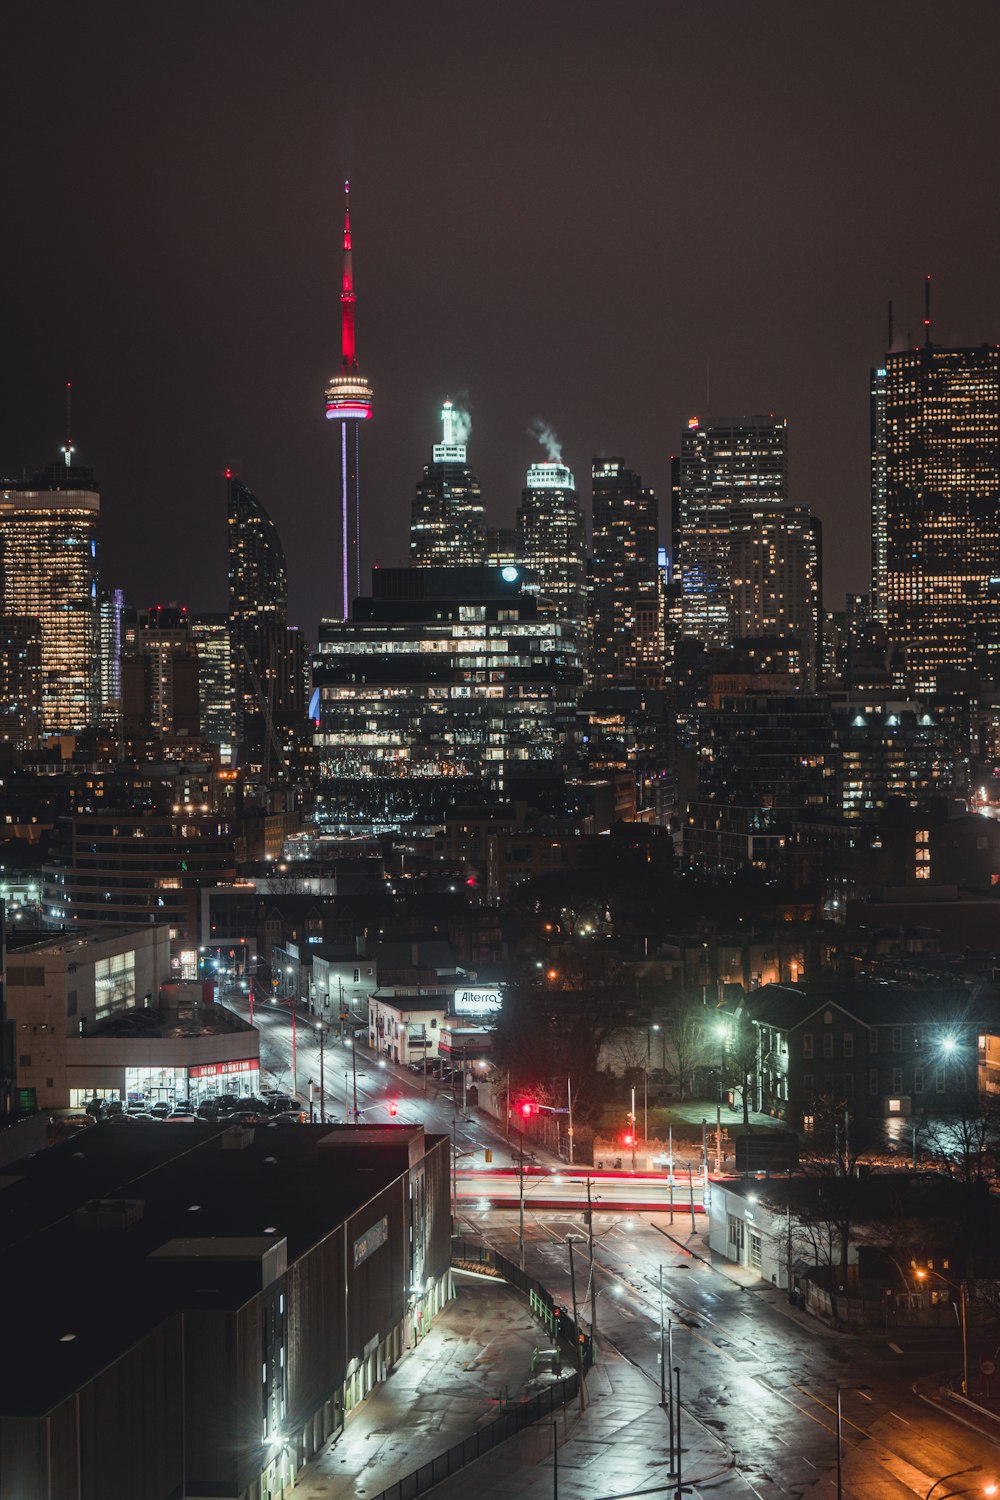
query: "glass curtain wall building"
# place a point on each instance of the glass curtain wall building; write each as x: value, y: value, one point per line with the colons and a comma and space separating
x: 48, y: 569
x: 626, y: 589
x: 258, y: 625
x: 447, y: 523
x: 939, y: 410
x: 444, y: 674
x: 552, y: 538
x: 723, y: 467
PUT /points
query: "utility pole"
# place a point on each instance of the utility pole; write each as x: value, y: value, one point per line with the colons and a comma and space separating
x: 663, y: 1357
x: 691, y: 1196
x: 645, y: 1104
x: 555, y: 1462
x: 677, y: 1431
x: 576, y: 1324
x: 520, y: 1182
x: 354, y: 1074
x: 454, y: 1185
x: 347, y: 1095
x: 635, y: 1131
x: 593, y: 1279
x: 569, y: 1110
x: 322, y: 1083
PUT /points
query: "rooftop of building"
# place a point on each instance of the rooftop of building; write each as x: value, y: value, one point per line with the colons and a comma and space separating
x: 873, y: 1002
x: 37, y: 941
x: 86, y: 1293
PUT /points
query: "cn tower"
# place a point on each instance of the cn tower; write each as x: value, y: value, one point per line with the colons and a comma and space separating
x: 349, y: 402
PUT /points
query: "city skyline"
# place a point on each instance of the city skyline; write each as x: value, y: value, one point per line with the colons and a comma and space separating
x: 596, y: 277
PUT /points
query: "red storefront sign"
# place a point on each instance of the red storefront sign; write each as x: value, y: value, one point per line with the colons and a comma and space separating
x: 213, y: 1070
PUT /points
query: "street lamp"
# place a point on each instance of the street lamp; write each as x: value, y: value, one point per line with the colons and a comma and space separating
x: 922, y: 1274
x: 988, y: 1489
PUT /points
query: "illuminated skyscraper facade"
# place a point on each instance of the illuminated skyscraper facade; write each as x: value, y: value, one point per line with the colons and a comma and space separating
x: 552, y: 537
x: 159, y: 673
x: 258, y: 625
x: 349, y: 399
x: 48, y: 570
x: 880, y: 539
x: 723, y: 468
x: 210, y: 633
x: 447, y: 524
x: 444, y: 675
x: 942, y: 504
x: 20, y: 681
x: 626, y: 594
x: 776, y: 565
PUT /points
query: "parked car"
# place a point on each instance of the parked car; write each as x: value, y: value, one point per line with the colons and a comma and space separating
x: 181, y: 1112
x: 160, y: 1110
x: 280, y: 1104
x: 97, y: 1109
x: 251, y: 1105
x: 288, y: 1117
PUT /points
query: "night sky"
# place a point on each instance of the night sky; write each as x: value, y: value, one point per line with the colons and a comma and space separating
x: 567, y: 211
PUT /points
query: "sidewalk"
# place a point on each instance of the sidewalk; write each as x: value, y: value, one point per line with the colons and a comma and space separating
x: 619, y: 1445
x: 440, y: 1392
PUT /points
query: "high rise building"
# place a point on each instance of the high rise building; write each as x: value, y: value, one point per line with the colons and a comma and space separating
x: 939, y: 412
x: 723, y: 467
x: 880, y: 540
x: 626, y: 614
x: 447, y: 526
x: 349, y: 399
x: 210, y: 633
x: 111, y: 607
x: 159, y: 672
x: 258, y: 626
x: 48, y: 569
x: 443, y: 677
x: 20, y: 681
x: 552, y: 538
x: 776, y: 579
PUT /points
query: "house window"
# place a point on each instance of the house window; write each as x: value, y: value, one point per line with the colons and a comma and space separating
x: 873, y: 1080
x: 357, y: 975
x: 848, y: 1043
x: 897, y: 1039
x: 807, y: 1045
x: 828, y: 1044
x: 849, y: 1085
x: 939, y: 1080
x: 828, y: 1083
x: 918, y: 1080
x: 807, y: 1085
x: 873, y: 1042
x: 918, y: 1038
x: 897, y: 1080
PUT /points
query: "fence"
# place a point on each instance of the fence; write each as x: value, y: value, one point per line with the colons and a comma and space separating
x: 516, y: 1418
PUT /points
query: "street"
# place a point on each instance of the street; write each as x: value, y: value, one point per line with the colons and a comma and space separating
x: 759, y: 1380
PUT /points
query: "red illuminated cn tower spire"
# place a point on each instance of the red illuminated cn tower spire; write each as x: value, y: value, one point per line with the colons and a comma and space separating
x: 349, y: 402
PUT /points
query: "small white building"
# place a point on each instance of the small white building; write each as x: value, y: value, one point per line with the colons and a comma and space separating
x: 406, y: 1027
x: 340, y: 984
x: 750, y: 1225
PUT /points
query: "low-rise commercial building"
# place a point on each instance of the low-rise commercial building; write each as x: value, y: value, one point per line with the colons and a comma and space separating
x: 91, y: 1017
x: 200, y: 1309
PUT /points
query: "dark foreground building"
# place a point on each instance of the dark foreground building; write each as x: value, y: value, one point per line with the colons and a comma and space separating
x: 192, y: 1311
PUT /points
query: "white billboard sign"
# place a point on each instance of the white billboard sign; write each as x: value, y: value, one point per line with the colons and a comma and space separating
x: 478, y: 1002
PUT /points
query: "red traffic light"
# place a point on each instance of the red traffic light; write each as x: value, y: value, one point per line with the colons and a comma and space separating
x: 393, y: 1106
x: 527, y: 1109
x: 627, y: 1138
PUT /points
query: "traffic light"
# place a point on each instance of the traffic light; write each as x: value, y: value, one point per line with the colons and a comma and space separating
x: 393, y: 1106
x: 627, y: 1138
x: 527, y: 1108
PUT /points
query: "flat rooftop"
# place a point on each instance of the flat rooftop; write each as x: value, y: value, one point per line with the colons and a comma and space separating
x: 77, y: 1296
